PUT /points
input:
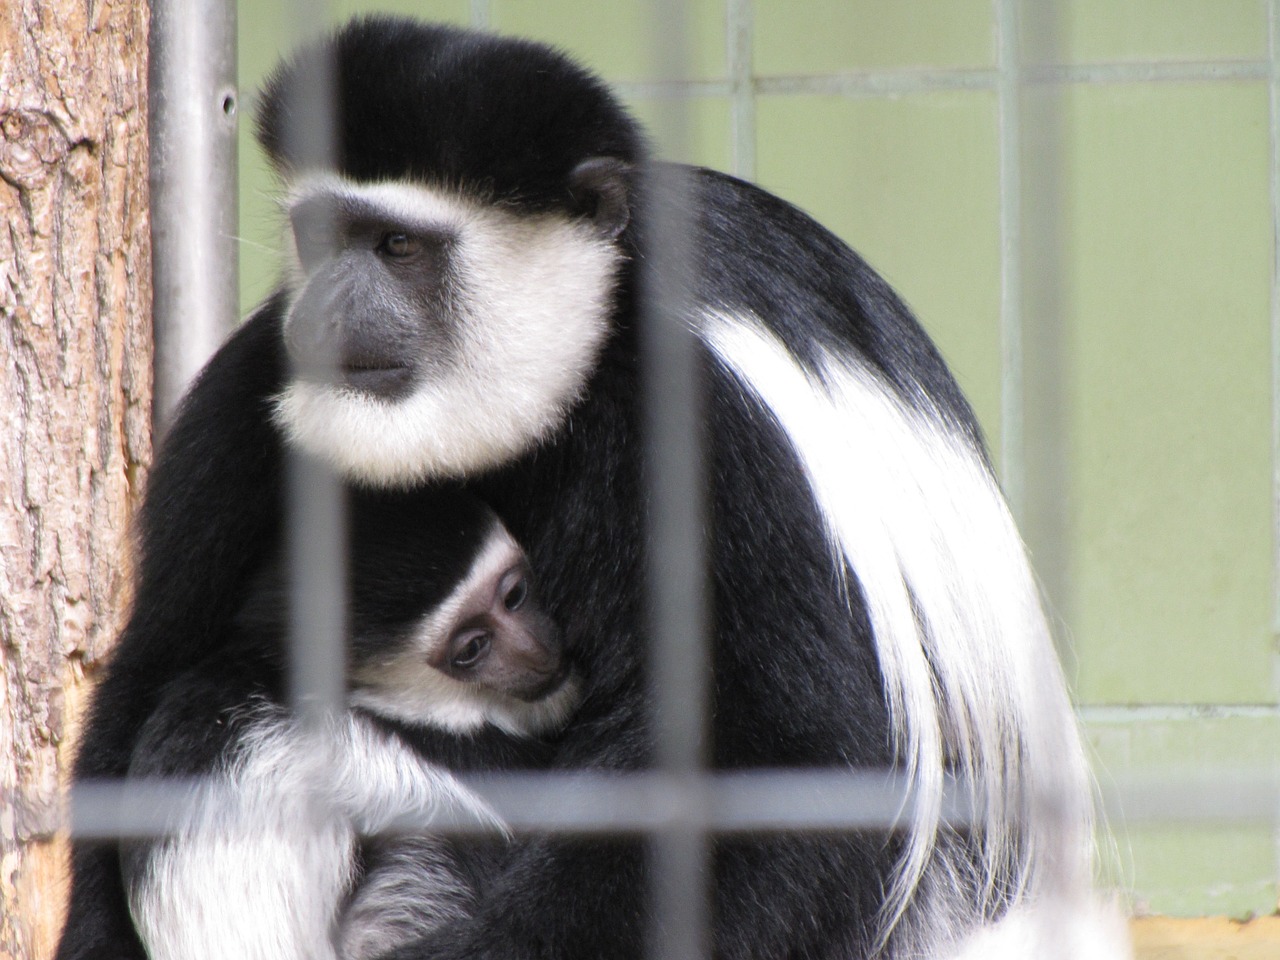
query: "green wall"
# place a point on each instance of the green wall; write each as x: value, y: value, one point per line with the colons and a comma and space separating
x: 1093, y: 251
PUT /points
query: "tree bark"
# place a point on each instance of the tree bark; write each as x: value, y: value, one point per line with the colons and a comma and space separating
x: 75, y: 399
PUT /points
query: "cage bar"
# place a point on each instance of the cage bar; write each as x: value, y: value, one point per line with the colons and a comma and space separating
x: 677, y: 608
x: 194, y: 116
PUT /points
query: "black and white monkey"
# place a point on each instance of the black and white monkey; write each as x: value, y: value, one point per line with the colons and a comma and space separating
x: 452, y: 665
x: 482, y: 222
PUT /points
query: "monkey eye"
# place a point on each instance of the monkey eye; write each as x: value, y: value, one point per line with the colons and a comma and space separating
x: 470, y: 650
x: 399, y: 245
x: 517, y: 593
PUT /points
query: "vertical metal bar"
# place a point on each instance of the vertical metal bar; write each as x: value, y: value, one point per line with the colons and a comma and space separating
x: 676, y: 551
x: 318, y: 596
x: 740, y: 22
x: 1273, y: 54
x: 1046, y: 362
x: 316, y: 521
x: 194, y: 107
x: 675, y: 477
x: 1043, y: 378
x: 1012, y: 383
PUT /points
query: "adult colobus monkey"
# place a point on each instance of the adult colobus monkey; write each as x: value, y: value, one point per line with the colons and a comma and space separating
x: 470, y: 255
x: 452, y: 664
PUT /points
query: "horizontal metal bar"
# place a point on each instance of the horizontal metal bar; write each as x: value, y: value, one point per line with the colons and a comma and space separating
x: 1169, y: 72
x: 878, y: 83
x: 739, y: 802
x: 1177, y: 712
x: 723, y: 803
x: 673, y: 89
x: 1230, y: 797
x: 891, y: 83
x: 756, y: 801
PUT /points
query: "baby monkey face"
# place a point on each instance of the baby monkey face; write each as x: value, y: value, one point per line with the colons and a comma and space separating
x: 447, y: 627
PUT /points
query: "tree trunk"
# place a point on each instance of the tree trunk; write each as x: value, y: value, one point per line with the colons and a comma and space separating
x: 76, y: 403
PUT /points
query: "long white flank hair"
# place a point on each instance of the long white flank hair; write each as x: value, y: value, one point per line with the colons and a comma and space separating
x: 970, y: 671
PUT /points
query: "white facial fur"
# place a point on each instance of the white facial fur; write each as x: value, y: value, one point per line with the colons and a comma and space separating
x: 406, y: 687
x: 535, y: 295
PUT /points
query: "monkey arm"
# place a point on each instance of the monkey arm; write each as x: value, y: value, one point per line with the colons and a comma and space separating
x: 221, y: 460
x: 260, y: 861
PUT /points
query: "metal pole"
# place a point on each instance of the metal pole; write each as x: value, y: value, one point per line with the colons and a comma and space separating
x: 194, y: 110
x: 317, y: 508
x: 677, y: 555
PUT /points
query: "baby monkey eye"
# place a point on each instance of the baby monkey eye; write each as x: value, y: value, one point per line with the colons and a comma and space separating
x: 516, y: 594
x: 399, y: 245
x: 470, y: 651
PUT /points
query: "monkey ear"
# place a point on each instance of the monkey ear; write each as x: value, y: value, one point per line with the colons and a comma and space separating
x: 599, y: 188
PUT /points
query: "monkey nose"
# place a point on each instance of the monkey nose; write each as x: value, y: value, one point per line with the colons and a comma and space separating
x: 548, y: 685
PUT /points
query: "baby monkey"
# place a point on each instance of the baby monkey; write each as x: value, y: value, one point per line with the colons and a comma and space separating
x: 282, y: 852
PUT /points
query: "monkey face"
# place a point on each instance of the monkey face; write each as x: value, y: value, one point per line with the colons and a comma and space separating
x: 374, y: 312
x: 433, y: 334
x: 502, y: 640
x: 454, y: 636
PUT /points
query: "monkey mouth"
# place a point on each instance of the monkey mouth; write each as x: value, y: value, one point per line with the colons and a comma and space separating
x: 390, y: 381
x: 550, y: 712
x: 547, y: 688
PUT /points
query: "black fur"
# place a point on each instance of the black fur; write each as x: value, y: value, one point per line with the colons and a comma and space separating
x: 796, y: 681
x: 388, y: 73
x: 406, y: 554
